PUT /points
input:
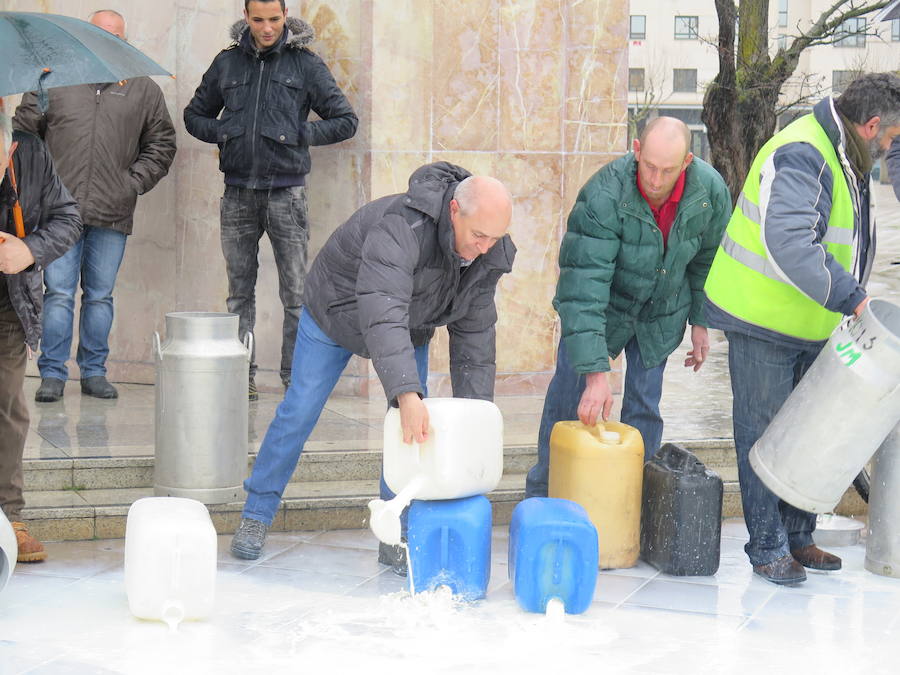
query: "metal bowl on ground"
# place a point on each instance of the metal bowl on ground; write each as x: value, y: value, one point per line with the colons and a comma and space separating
x: 832, y: 530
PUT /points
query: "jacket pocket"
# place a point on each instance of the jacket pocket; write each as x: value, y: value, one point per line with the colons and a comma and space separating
x: 234, y: 93
x: 341, y: 304
x: 286, y: 92
x: 282, y: 136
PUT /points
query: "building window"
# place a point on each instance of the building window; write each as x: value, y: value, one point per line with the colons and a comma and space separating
x: 895, y: 30
x: 783, y: 13
x: 851, y: 33
x: 638, y: 29
x: 635, y: 79
x: 782, y: 41
x: 684, y: 79
x: 687, y: 27
x: 841, y: 78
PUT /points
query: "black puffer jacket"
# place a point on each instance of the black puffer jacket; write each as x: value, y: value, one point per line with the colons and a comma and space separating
x: 265, y: 98
x: 52, y: 225
x: 391, y: 270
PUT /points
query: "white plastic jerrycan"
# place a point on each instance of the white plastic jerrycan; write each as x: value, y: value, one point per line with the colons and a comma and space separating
x: 170, y: 559
x: 462, y: 457
x: 9, y: 550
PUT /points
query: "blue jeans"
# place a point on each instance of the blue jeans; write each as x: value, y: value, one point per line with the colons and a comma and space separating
x: 318, y: 363
x: 95, y: 258
x: 281, y: 213
x: 640, y: 408
x: 763, y: 375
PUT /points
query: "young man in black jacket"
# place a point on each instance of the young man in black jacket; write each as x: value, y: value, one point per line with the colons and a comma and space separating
x: 264, y: 86
x: 50, y: 224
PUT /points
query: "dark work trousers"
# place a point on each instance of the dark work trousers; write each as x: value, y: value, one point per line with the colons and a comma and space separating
x: 281, y: 213
x: 13, y: 413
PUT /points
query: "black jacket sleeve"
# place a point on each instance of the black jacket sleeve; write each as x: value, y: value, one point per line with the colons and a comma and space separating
x: 200, y: 115
x: 60, y: 225
x: 338, y: 121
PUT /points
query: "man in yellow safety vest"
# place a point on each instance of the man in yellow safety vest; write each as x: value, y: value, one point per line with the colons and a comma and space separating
x: 794, y: 260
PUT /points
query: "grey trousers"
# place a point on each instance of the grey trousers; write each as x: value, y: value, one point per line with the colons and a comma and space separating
x: 280, y: 213
x: 13, y: 414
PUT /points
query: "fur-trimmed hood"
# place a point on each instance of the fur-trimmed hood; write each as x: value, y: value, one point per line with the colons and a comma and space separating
x: 300, y: 33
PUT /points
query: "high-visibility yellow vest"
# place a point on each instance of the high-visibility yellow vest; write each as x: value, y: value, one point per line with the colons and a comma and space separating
x: 744, y: 282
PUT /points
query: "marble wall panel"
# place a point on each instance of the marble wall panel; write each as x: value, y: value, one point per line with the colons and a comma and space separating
x: 531, y: 75
x: 599, y: 24
x: 402, y: 78
x: 530, y: 91
x: 466, y: 78
x: 595, y: 106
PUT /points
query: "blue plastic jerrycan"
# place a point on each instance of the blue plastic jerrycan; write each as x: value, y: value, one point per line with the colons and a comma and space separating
x: 450, y: 545
x: 553, y: 553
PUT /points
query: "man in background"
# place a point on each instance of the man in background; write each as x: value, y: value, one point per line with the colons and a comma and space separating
x: 110, y: 143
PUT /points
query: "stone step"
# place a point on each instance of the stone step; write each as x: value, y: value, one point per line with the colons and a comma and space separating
x: 75, y: 514
x: 87, y: 498
x: 95, y: 473
x: 324, y: 505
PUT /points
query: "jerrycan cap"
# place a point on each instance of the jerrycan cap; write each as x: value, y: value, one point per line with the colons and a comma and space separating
x: 611, y: 437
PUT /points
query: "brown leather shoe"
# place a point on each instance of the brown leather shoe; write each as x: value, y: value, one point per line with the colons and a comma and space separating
x: 30, y: 549
x: 816, y: 559
x: 783, y: 571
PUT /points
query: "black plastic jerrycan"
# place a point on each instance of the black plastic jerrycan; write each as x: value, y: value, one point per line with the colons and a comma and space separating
x: 681, y: 516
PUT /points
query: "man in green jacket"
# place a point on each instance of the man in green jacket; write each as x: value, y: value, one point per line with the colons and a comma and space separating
x: 640, y: 240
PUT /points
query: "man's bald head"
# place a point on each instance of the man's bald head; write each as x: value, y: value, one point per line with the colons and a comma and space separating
x: 110, y: 21
x: 481, y: 213
x: 662, y: 154
x: 667, y: 130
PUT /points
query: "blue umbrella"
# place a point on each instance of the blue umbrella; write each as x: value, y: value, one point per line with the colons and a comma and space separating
x: 40, y: 51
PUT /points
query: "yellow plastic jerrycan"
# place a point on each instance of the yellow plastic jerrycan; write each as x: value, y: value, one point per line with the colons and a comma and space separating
x: 602, y: 468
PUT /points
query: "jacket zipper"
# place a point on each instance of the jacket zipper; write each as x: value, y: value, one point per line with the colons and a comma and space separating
x: 90, y: 175
x: 262, y: 67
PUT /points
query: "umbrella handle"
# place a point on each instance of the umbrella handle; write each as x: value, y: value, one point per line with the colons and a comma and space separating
x: 18, y: 219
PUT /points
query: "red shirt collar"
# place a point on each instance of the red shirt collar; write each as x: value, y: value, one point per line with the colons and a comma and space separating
x: 674, y: 198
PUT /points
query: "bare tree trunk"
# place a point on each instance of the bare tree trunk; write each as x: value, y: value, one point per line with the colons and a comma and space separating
x: 720, y: 105
x: 740, y: 103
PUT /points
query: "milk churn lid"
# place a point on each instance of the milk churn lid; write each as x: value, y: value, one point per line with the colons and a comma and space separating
x: 611, y: 437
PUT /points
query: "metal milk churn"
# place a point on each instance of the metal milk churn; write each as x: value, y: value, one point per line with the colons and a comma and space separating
x: 201, y: 408
x: 838, y: 415
x: 883, y: 537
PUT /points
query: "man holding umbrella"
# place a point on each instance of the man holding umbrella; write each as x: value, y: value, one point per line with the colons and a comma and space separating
x: 39, y: 221
x: 111, y: 143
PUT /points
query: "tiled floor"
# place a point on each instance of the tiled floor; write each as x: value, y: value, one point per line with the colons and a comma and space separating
x: 320, y: 601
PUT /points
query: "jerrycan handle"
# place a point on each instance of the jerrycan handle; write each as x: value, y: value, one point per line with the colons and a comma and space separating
x: 676, y: 458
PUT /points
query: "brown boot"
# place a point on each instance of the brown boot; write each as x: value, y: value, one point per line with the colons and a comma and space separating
x: 784, y: 571
x: 30, y: 549
x: 816, y: 559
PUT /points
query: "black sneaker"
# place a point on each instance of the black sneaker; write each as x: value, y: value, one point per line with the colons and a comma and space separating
x: 249, y: 539
x: 98, y: 387
x: 395, y: 556
x: 252, y: 394
x: 51, y: 390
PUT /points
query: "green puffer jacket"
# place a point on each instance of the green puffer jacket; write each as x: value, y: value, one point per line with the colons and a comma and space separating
x: 616, y: 280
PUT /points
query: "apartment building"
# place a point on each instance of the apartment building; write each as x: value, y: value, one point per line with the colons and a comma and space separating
x: 673, y: 56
